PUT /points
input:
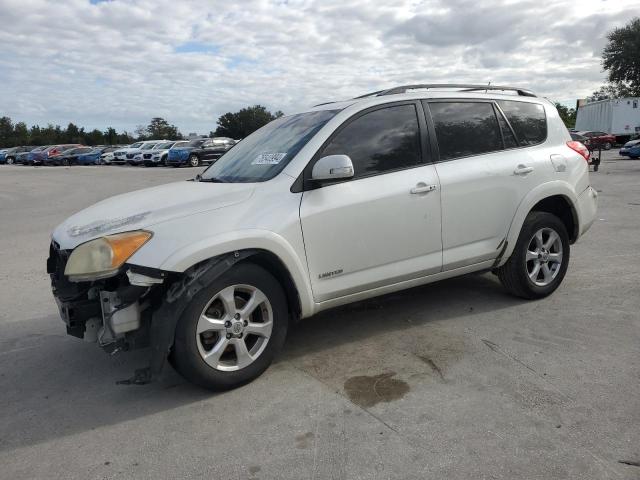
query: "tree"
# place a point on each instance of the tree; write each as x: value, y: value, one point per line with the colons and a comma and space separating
x: 244, y: 122
x: 159, y: 128
x: 21, y: 133
x: 621, y: 58
x: 6, y: 132
x: 110, y: 136
x: 568, y: 115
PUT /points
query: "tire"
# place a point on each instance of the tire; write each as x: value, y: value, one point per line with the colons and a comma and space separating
x: 10, y: 160
x: 607, y: 146
x: 227, y: 365
x: 517, y: 274
x: 65, y: 162
x: 194, y: 161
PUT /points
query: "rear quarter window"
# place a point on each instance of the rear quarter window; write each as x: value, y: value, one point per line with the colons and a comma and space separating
x: 528, y: 120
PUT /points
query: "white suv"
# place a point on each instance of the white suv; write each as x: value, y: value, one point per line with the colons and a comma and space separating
x: 344, y: 202
x: 126, y: 154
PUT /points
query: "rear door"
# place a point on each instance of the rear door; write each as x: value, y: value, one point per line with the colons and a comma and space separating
x: 383, y: 225
x: 485, y: 171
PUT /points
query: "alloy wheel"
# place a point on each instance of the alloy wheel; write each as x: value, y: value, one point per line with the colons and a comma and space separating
x: 234, y: 327
x: 544, y: 256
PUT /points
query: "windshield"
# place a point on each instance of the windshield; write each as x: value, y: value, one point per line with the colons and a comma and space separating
x: 265, y: 153
x: 148, y: 146
x: 135, y: 145
x: 162, y: 146
x: 180, y: 144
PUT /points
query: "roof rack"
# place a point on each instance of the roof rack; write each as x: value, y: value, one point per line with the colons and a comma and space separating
x: 462, y: 87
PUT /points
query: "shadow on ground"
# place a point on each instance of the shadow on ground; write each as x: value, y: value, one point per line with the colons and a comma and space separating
x: 54, y: 385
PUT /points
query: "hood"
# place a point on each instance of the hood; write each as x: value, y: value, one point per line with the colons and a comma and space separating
x: 144, y: 208
x: 632, y: 143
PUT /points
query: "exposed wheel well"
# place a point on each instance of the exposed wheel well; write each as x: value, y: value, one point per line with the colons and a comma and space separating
x: 274, y: 265
x: 561, y: 207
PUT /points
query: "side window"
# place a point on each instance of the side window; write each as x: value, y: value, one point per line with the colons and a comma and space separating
x: 465, y: 128
x: 527, y: 119
x: 507, y: 134
x: 379, y: 141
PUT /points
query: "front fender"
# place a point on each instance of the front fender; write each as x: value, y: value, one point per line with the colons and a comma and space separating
x: 185, y: 257
x: 549, y: 189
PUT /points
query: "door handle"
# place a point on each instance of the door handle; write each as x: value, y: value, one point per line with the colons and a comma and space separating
x: 522, y: 170
x: 423, y: 188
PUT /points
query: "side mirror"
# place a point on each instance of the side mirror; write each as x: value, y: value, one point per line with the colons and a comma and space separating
x: 332, y: 167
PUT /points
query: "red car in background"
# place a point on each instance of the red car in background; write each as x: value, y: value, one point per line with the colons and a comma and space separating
x: 604, y: 140
x: 46, y: 157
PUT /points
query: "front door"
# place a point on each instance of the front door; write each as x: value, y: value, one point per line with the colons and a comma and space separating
x: 383, y: 225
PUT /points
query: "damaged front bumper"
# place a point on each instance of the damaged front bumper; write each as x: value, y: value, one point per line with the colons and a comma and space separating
x: 138, y: 307
x: 112, y: 311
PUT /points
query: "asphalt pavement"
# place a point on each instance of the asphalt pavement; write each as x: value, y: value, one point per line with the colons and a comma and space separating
x: 452, y: 380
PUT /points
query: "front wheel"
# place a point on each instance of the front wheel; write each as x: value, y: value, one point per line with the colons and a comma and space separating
x: 232, y: 329
x: 540, y: 259
x: 607, y: 146
x: 9, y: 161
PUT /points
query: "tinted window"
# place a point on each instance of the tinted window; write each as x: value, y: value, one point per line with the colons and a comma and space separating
x: 378, y: 141
x: 465, y: 128
x: 527, y: 119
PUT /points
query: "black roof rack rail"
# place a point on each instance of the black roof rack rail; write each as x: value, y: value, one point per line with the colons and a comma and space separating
x: 461, y: 86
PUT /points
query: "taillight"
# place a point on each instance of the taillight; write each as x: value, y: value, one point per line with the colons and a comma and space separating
x: 579, y: 148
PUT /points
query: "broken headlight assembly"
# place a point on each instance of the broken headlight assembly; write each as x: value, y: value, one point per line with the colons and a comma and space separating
x: 102, y: 257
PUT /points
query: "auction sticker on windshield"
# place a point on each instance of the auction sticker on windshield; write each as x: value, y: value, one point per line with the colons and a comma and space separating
x: 268, y: 159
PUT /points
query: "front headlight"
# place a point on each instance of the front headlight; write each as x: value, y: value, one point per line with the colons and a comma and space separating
x: 102, y: 257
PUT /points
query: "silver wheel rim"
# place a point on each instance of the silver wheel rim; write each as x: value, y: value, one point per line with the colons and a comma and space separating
x: 544, y: 256
x: 234, y: 328
x: 9, y: 161
x: 194, y: 161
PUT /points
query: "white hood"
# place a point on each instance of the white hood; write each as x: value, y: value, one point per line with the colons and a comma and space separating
x: 144, y: 208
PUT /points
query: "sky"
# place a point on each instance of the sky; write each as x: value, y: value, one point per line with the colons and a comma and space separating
x: 121, y: 62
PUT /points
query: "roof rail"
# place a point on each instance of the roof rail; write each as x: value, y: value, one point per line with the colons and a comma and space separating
x: 462, y: 87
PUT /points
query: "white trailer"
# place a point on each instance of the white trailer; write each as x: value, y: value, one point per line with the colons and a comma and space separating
x: 619, y: 117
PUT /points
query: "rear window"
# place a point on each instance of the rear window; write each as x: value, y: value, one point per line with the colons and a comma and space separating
x: 528, y: 120
x: 465, y: 128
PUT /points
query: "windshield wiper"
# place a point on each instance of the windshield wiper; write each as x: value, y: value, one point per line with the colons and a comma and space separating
x: 200, y: 178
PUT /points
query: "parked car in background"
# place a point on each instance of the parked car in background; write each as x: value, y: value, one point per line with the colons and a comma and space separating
x: 634, y: 151
x: 107, y: 155
x: 30, y: 158
x: 578, y: 138
x: 67, y: 156
x: 10, y: 155
x: 126, y: 154
x: 627, y: 147
x: 137, y: 157
x: 158, y: 154
x: 199, y: 151
x: 92, y: 157
x: 599, y: 139
x: 47, y: 156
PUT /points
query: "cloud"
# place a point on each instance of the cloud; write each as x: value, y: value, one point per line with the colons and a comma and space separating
x: 120, y: 63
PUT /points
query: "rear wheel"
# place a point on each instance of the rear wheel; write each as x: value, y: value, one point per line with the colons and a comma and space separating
x: 194, y: 161
x: 607, y: 146
x: 540, y: 259
x: 232, y: 329
x: 9, y: 160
